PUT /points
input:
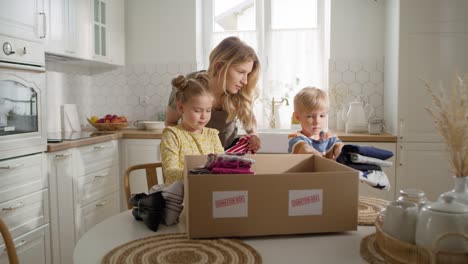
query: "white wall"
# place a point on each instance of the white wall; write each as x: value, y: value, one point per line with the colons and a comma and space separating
x: 357, y: 28
x: 160, y: 31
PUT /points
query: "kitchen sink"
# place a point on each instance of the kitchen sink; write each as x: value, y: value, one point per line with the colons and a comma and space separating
x: 274, y: 140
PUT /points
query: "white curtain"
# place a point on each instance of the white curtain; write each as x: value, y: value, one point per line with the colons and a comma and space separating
x: 294, y: 59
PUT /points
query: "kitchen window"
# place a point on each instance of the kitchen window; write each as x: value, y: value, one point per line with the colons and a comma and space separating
x: 290, y: 38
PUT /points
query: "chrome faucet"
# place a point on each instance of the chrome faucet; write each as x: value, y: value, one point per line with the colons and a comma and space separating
x: 273, y: 103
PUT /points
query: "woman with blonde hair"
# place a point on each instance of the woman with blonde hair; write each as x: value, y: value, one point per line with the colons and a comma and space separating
x: 233, y: 71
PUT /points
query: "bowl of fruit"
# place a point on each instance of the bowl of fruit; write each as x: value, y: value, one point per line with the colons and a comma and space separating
x: 108, y: 122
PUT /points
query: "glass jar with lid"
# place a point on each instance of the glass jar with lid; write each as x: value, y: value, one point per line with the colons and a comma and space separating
x: 413, y: 195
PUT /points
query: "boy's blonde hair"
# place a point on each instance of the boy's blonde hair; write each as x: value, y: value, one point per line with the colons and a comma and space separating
x: 231, y: 52
x: 191, y: 87
x: 310, y: 99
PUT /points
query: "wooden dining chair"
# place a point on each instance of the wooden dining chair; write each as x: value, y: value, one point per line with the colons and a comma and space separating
x: 151, y: 177
x: 9, y: 244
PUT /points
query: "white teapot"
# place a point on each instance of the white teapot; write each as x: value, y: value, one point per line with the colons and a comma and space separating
x: 357, y: 117
x: 440, y: 218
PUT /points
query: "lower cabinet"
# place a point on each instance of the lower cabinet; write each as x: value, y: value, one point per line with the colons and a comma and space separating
x: 133, y: 152
x: 24, y: 207
x: 84, y: 190
x: 32, y: 247
x: 424, y: 166
x: 97, y: 211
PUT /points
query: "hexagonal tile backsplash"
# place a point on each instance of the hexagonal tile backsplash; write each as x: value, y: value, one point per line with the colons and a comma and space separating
x: 356, y: 80
x: 141, y: 91
x: 136, y: 91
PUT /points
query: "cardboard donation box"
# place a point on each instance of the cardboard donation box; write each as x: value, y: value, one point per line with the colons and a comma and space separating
x: 288, y: 194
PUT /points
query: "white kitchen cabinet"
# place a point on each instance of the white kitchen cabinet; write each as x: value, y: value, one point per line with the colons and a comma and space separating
x: 424, y: 40
x: 116, y: 27
x: 84, y: 191
x: 25, y: 20
x: 367, y: 190
x: 97, y: 211
x: 134, y: 152
x: 68, y: 26
x: 24, y: 206
x: 61, y: 173
x: 32, y: 247
x: 424, y: 166
x: 108, y: 31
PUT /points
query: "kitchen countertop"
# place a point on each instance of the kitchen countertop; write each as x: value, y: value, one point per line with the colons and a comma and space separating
x: 103, y: 136
x: 364, y: 137
x: 129, y: 133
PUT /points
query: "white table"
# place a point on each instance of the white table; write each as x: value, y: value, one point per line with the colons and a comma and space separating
x: 319, y: 248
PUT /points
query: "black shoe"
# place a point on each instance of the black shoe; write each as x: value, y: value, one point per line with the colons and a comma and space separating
x: 135, y: 214
x: 135, y: 198
x: 151, y: 218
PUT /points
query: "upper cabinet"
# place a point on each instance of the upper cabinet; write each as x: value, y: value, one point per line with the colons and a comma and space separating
x: 116, y: 24
x: 68, y: 27
x: 425, y: 39
x: 23, y: 19
x: 108, y: 31
x: 100, y: 30
x: 86, y: 29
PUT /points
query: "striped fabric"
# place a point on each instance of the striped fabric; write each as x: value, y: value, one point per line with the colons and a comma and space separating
x: 241, y: 146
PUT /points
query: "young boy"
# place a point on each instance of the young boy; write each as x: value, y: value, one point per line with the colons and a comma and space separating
x: 310, y: 110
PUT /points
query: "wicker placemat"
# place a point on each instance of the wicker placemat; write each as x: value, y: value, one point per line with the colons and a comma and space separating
x: 177, y: 248
x: 369, y: 252
x: 368, y: 209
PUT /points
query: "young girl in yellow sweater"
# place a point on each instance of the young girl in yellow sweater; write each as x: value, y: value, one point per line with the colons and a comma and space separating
x: 190, y: 137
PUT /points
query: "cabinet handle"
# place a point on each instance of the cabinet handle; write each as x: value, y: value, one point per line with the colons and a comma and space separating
x: 402, y: 128
x: 21, y: 243
x: 14, y: 207
x: 44, y: 24
x: 96, y: 148
x: 101, y: 175
x: 400, y: 156
x: 102, y: 203
x: 11, y: 167
x: 62, y: 156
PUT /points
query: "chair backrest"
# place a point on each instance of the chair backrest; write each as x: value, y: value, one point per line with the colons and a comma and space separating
x: 151, y: 177
x: 9, y: 244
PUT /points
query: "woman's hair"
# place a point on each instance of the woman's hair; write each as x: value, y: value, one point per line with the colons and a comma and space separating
x: 310, y: 99
x: 191, y: 87
x: 231, y: 52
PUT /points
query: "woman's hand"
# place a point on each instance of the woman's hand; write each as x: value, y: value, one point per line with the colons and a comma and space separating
x: 254, y: 143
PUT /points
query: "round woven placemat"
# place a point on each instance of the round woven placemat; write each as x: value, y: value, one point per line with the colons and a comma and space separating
x: 178, y: 249
x: 368, y: 209
x: 369, y: 252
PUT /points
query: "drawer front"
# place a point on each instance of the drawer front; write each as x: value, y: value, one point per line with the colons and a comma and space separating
x: 23, y: 214
x: 97, y: 184
x: 32, y: 247
x: 22, y: 176
x: 96, y: 212
x: 97, y: 157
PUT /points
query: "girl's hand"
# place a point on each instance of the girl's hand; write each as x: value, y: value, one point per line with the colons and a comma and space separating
x: 254, y: 143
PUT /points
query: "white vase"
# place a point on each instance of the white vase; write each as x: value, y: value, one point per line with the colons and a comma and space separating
x: 460, y: 191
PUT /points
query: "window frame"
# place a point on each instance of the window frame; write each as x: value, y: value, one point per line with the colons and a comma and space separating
x: 263, y: 28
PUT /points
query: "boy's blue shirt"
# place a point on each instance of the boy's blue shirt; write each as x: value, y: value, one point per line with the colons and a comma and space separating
x: 323, y: 145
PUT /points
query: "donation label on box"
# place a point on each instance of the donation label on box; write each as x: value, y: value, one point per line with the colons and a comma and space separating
x: 305, y: 202
x: 230, y: 204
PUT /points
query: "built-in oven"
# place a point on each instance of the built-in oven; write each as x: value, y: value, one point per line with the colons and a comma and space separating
x: 22, y: 98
